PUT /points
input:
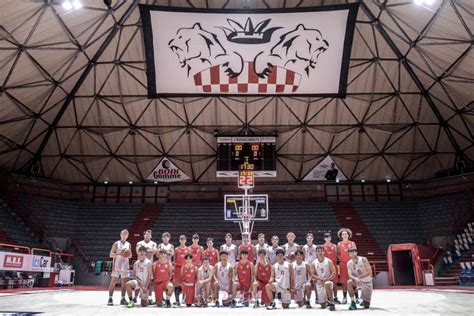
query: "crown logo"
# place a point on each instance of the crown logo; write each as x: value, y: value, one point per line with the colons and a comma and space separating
x: 249, y: 34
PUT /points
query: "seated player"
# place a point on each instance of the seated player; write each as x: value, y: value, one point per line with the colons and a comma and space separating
x: 180, y: 253
x: 230, y: 249
x: 330, y: 252
x: 260, y: 245
x: 263, y: 273
x: 247, y: 246
x: 302, y: 277
x: 120, y: 253
x: 188, y: 280
x: 281, y: 282
x: 142, y: 270
x: 244, y: 274
x: 166, y: 246
x: 290, y: 247
x: 360, y: 276
x: 204, y: 283
x: 211, y: 252
x: 162, y: 272
x: 196, y: 251
x: 223, y: 274
x: 322, y: 273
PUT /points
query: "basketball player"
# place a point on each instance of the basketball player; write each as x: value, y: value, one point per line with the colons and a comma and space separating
x: 271, y: 251
x: 211, y: 252
x: 309, y: 249
x: 246, y: 245
x: 188, y: 280
x: 323, y: 272
x: 142, y: 270
x: 343, y: 257
x: 120, y: 266
x: 330, y: 252
x: 231, y: 250
x: 281, y: 282
x: 204, y: 283
x: 263, y: 273
x: 151, y: 250
x: 166, y: 246
x: 163, y: 271
x: 223, y: 274
x: 302, y: 277
x: 196, y: 251
x: 149, y: 245
x: 245, y: 275
x: 261, y: 245
x: 290, y: 247
x: 360, y: 276
x: 180, y: 254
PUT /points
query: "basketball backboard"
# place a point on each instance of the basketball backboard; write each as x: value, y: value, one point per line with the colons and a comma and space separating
x: 257, y: 206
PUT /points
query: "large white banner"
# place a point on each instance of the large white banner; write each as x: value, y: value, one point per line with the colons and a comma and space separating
x: 14, y: 261
x: 325, y: 170
x: 302, y: 51
x: 167, y: 171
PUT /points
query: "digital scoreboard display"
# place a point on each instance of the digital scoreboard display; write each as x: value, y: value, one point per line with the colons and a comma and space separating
x: 234, y: 151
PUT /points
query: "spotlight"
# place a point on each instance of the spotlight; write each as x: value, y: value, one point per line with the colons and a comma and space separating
x: 429, y: 2
x: 130, y: 182
x: 67, y: 5
x: 155, y: 182
x: 388, y: 180
x: 105, y: 182
x: 77, y: 4
x: 363, y: 180
x: 337, y: 180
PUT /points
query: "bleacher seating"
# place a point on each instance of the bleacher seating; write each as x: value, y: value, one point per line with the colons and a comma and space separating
x: 13, y: 228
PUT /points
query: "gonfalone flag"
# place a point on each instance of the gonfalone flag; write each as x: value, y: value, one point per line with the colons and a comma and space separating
x: 298, y: 51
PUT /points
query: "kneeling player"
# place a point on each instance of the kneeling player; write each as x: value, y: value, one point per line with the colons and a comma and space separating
x: 282, y: 281
x: 244, y: 272
x: 188, y: 280
x: 223, y: 274
x: 360, y: 276
x: 323, y: 272
x: 302, y: 284
x: 162, y: 271
x: 203, y: 287
x: 263, y: 273
x: 142, y: 270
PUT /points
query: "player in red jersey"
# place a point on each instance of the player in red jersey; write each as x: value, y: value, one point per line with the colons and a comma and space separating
x: 330, y: 252
x: 247, y: 246
x: 179, y: 254
x: 188, y: 278
x: 263, y: 272
x: 344, y: 234
x: 211, y: 252
x: 197, y: 251
x: 163, y: 271
x: 245, y: 276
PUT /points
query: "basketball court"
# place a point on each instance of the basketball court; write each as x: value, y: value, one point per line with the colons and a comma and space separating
x: 386, y: 302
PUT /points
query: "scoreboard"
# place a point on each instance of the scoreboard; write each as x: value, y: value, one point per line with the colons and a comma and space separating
x: 233, y: 151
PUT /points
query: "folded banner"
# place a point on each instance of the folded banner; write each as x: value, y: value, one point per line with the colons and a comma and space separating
x: 303, y: 51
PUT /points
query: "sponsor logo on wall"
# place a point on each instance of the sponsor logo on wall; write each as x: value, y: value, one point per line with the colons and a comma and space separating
x: 167, y: 171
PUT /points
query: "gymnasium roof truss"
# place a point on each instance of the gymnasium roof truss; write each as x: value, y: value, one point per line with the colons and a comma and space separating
x: 74, y: 102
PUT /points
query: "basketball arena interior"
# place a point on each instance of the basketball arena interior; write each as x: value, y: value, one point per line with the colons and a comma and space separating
x: 121, y: 119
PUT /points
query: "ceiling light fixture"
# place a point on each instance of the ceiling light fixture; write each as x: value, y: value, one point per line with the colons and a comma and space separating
x: 363, y: 180
x: 130, y: 182
x: 67, y: 5
x: 77, y: 4
x: 105, y: 182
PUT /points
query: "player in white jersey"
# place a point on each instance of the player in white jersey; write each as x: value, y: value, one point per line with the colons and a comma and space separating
x: 271, y: 250
x: 309, y: 249
x: 290, y: 247
x: 302, y: 276
x: 261, y: 245
x: 281, y: 282
x: 142, y: 271
x: 223, y: 275
x: 360, y: 276
x: 166, y: 246
x: 322, y: 273
x: 149, y: 245
x: 203, y: 286
x: 231, y: 250
x: 120, y: 253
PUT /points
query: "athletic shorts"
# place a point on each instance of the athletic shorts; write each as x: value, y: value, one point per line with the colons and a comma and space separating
x: 261, y: 287
x: 177, y: 276
x: 321, y: 295
x: 343, y: 274
x: 188, y: 292
x: 285, y: 293
x: 245, y: 289
x: 121, y: 274
x: 366, y: 289
x: 299, y: 295
x: 144, y: 293
x: 160, y: 287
